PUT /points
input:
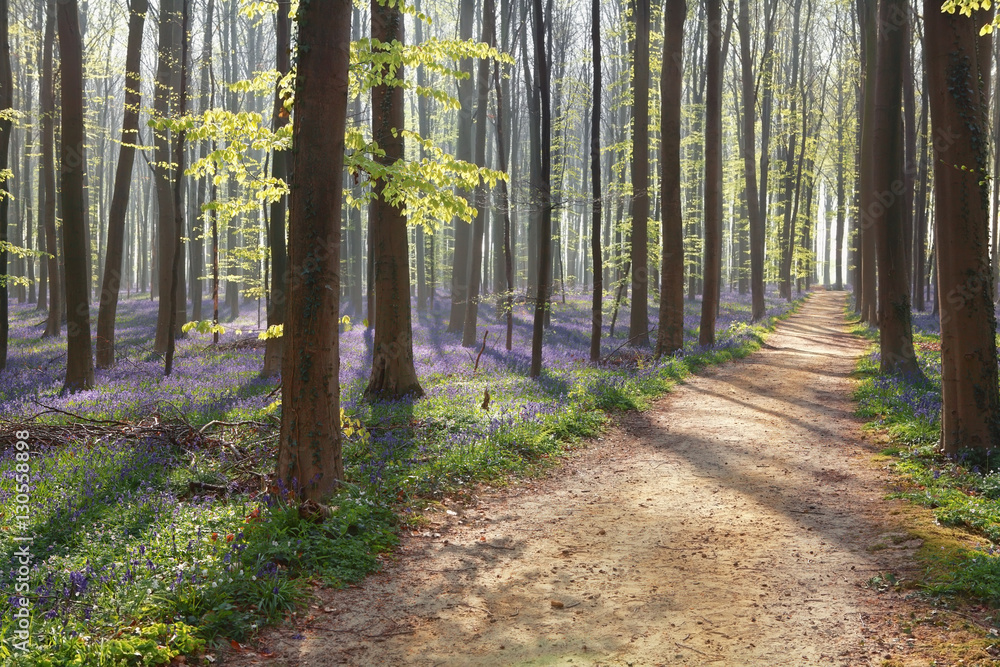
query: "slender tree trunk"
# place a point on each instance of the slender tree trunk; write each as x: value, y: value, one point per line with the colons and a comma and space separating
x: 597, y: 195
x: 750, y: 169
x: 6, y: 128
x: 866, y: 13
x: 197, y: 238
x: 464, y: 151
x: 393, y: 374
x: 111, y: 285
x: 163, y: 165
x: 543, y: 193
x: 920, y: 206
x: 276, y: 227
x: 638, y: 331
x: 508, y: 299
x: 53, y: 324
x: 670, y: 336
x: 177, y: 292
x: 713, y: 175
x: 478, y: 231
x: 79, y: 352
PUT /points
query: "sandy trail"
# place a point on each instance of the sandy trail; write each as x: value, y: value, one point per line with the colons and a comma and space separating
x: 729, y: 525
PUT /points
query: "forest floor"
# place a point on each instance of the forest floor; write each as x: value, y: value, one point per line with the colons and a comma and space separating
x: 740, y: 521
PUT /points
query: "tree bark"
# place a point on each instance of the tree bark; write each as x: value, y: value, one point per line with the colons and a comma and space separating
x: 111, y: 285
x: 163, y: 166
x: 79, y: 359
x: 670, y: 337
x: 475, y: 272
x: 597, y: 195
x: 276, y: 224
x: 713, y: 175
x: 638, y: 331
x: 869, y: 29
x: 393, y: 374
x: 466, y: 92
x: 970, y: 413
x: 542, y: 198
x: 757, y: 230
x: 309, y: 453
x: 53, y: 323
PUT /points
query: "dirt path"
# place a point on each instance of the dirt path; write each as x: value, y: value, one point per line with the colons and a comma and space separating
x: 732, y: 524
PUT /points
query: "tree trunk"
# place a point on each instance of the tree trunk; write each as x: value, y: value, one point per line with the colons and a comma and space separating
x: 6, y: 128
x: 970, y: 412
x: 757, y: 230
x: 163, y: 165
x: 393, y: 374
x: 79, y: 359
x: 53, y: 323
x: 276, y: 227
x: 111, y: 285
x: 638, y: 331
x: 475, y: 272
x: 542, y: 189
x: 713, y: 175
x: 466, y: 92
x: 670, y: 336
x: 309, y: 453
x: 178, y: 308
x: 869, y: 29
x: 597, y: 195
x: 920, y: 211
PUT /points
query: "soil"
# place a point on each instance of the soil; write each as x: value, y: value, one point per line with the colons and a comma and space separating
x: 740, y: 521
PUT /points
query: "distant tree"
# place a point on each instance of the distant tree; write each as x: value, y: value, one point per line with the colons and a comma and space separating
x: 6, y: 125
x: 970, y: 412
x: 638, y: 331
x: 868, y: 299
x: 79, y: 353
x: 393, y: 374
x: 713, y: 174
x: 670, y: 336
x: 542, y: 188
x: 111, y: 285
x: 309, y: 454
x: 895, y: 332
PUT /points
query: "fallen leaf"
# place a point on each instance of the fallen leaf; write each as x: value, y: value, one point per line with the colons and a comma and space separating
x: 556, y: 604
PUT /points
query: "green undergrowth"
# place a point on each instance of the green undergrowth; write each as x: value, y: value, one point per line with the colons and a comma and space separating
x: 962, y: 492
x: 133, y: 563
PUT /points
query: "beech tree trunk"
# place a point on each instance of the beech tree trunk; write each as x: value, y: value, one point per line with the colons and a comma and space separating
x: 866, y: 176
x: 597, y: 303
x: 276, y: 226
x: 970, y: 413
x: 750, y: 168
x: 638, y: 331
x: 6, y: 126
x: 542, y: 198
x: 393, y: 374
x: 476, y: 270
x: 163, y: 161
x: 713, y: 175
x: 79, y: 359
x: 111, y: 284
x: 53, y: 323
x: 670, y: 336
x: 463, y: 151
x: 887, y: 148
x: 309, y: 453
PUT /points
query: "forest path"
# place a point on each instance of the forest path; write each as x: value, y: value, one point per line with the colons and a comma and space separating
x: 735, y: 523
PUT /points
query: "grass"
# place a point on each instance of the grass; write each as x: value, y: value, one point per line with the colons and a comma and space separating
x: 129, y: 566
x: 961, y: 492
